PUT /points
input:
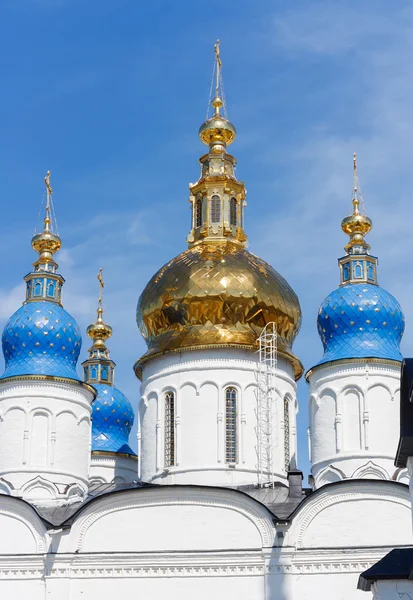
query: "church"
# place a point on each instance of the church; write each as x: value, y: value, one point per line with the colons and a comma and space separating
x: 212, y: 504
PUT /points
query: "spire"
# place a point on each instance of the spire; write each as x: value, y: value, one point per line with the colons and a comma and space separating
x: 357, y: 225
x: 218, y: 198
x: 355, y: 267
x: 99, y: 368
x: 46, y: 243
x: 217, y: 132
x: 43, y: 283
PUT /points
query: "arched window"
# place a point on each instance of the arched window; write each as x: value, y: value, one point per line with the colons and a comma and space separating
x: 198, y: 212
x: 231, y: 425
x: 50, y: 289
x: 169, y: 429
x: 286, y: 433
x: 370, y: 271
x: 215, y: 209
x: 358, y: 272
x: 233, y: 212
x: 104, y: 373
x: 38, y: 287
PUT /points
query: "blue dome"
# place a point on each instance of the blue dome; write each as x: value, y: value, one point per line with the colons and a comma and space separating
x: 360, y: 320
x: 41, y: 338
x: 112, y: 420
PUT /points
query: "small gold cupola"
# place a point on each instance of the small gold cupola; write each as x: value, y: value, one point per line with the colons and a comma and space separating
x: 44, y: 283
x: 358, y: 265
x: 99, y: 367
x: 217, y: 198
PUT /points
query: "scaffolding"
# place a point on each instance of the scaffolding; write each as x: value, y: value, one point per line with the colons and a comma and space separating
x: 265, y: 392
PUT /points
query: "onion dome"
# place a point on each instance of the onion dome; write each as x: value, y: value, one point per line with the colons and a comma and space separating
x: 216, y: 293
x: 359, y: 319
x: 41, y: 338
x: 112, y: 413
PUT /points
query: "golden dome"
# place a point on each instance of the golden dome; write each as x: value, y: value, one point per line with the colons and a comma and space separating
x: 217, y: 294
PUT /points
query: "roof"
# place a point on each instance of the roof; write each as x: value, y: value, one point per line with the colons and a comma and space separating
x: 397, y: 564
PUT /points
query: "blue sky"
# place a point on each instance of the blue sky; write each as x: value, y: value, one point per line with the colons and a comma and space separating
x: 109, y: 96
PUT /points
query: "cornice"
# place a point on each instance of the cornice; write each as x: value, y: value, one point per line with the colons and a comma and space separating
x: 223, y: 363
x: 359, y: 362
x: 187, y: 564
x: 34, y: 382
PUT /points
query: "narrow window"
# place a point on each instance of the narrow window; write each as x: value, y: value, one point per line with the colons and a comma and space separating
x: 370, y: 271
x: 198, y: 213
x: 169, y: 429
x: 233, y: 212
x: 50, y: 289
x: 286, y: 434
x: 38, y: 288
x: 231, y: 425
x: 358, y: 273
x: 215, y: 209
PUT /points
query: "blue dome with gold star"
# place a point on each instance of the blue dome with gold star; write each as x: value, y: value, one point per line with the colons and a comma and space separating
x: 41, y: 338
x: 112, y: 413
x: 112, y: 420
x: 360, y: 321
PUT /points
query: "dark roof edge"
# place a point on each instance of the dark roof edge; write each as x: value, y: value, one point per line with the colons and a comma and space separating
x: 397, y: 564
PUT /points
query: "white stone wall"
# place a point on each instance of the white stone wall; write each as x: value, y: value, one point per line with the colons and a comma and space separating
x: 354, y: 421
x: 199, y: 380
x: 393, y: 589
x: 108, y: 467
x: 45, y: 436
x: 196, y: 542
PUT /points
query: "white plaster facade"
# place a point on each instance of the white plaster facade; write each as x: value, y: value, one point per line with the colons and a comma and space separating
x: 45, y: 440
x: 193, y: 541
x: 354, y: 413
x: 199, y: 380
x: 107, y: 467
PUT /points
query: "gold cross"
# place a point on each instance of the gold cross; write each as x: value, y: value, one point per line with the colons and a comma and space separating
x: 101, y: 285
x: 47, y: 182
x: 218, y: 57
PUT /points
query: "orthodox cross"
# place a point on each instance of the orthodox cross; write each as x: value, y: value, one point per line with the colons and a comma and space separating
x: 101, y: 286
x: 49, y: 192
x: 219, y: 64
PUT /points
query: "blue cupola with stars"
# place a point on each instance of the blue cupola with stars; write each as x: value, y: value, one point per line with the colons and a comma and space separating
x: 41, y: 338
x: 359, y: 319
x: 112, y: 413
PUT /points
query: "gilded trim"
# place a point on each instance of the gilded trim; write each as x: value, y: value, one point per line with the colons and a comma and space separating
x: 52, y: 378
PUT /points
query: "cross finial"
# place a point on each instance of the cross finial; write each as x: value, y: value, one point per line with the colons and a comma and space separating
x: 356, y: 200
x: 47, y: 182
x: 219, y: 64
x: 101, y: 286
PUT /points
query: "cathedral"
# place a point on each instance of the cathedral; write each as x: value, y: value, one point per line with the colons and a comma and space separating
x: 212, y: 503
